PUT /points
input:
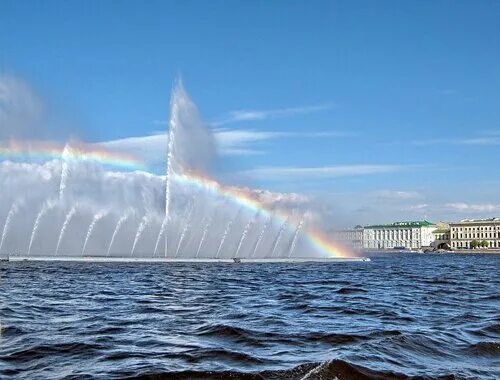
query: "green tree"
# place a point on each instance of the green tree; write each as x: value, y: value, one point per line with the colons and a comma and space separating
x: 484, y: 244
x: 474, y: 244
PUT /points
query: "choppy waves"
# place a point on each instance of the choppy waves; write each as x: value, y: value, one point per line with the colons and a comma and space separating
x: 393, y: 318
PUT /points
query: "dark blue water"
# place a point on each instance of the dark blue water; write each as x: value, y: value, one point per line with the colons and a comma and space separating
x: 396, y: 316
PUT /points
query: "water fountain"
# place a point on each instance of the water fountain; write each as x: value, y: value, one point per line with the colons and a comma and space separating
x: 140, y: 230
x: 119, y: 224
x: 187, y: 224
x: 13, y: 211
x: 226, y: 232
x: 267, y: 225
x: 65, y: 225
x: 97, y: 218
x: 295, y: 237
x: 245, y: 233
x: 241, y: 224
x: 47, y: 206
x: 278, y: 237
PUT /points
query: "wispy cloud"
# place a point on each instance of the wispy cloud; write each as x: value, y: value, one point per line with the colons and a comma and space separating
x: 474, y: 208
x: 252, y: 115
x: 322, y: 172
x: 456, y: 208
x: 490, y: 138
x: 419, y: 207
x: 230, y: 142
x: 398, y: 195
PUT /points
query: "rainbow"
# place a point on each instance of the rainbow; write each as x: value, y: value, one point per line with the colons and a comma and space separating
x: 45, y: 151
x: 246, y: 199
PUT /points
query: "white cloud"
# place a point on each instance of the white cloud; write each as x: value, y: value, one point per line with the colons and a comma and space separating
x: 398, y: 194
x: 474, y: 208
x: 322, y: 172
x: 252, y: 115
x: 419, y: 207
x: 229, y: 142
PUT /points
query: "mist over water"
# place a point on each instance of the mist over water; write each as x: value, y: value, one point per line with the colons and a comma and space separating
x: 73, y: 206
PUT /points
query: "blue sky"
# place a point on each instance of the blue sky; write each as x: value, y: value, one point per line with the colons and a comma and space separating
x: 386, y: 109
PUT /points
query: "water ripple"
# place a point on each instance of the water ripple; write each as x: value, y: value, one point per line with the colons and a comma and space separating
x: 396, y: 317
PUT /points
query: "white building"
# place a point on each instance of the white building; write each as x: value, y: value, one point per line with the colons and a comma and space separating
x: 467, y: 231
x: 408, y: 235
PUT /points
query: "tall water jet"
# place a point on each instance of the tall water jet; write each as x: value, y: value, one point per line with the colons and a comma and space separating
x: 170, y: 157
x: 67, y: 152
x: 191, y: 145
x: 226, y: 232
x: 65, y: 225
x: 295, y: 237
x: 261, y: 235
x: 119, y: 224
x: 245, y: 232
x: 14, y: 208
x: 142, y: 226
x: 97, y: 217
x: 187, y: 224
x: 278, y: 237
x: 47, y: 206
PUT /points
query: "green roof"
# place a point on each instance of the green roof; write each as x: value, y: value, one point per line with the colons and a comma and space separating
x: 418, y: 223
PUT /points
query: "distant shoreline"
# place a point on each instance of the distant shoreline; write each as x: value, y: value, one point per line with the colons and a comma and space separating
x: 459, y: 251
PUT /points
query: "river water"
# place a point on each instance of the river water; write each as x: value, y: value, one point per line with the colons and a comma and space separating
x: 398, y: 316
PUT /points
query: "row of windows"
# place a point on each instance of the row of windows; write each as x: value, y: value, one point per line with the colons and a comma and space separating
x: 396, y: 233
x: 442, y: 237
x: 466, y: 244
x: 477, y: 235
x: 483, y: 228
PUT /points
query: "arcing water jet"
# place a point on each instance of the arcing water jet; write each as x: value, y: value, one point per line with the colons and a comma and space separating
x: 226, y: 232
x: 142, y: 226
x: 261, y: 235
x: 278, y: 237
x: 122, y: 220
x: 295, y: 237
x: 203, y: 236
x: 65, y: 225
x: 160, y: 234
x: 13, y: 211
x: 47, y: 206
x: 245, y: 232
x: 187, y: 224
x: 96, y: 218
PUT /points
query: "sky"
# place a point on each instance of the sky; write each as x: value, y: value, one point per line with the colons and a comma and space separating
x: 382, y: 110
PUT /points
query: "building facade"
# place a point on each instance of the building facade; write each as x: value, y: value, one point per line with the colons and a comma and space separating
x: 352, y: 237
x: 441, y: 236
x: 466, y: 233
x: 407, y: 235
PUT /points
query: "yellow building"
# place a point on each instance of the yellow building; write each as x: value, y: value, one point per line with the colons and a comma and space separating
x: 468, y: 232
